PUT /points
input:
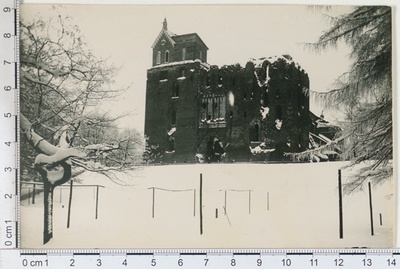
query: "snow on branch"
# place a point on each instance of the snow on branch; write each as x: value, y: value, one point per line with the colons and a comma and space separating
x: 61, y: 154
x: 312, y: 154
x: 38, y: 142
x: 52, y: 155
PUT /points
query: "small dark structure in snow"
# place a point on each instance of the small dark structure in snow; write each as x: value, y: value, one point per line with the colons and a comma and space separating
x: 233, y: 113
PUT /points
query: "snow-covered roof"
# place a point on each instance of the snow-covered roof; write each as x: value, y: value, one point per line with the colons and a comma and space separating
x: 259, y: 61
x: 168, y: 34
x: 204, y: 65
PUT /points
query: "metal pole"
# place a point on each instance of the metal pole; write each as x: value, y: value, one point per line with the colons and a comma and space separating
x: 69, y: 203
x: 370, y: 208
x: 152, y: 210
x: 201, y: 203
x: 340, y: 205
x: 97, y: 200
x: 249, y: 201
x: 225, y: 203
x: 34, y: 192
x: 194, y: 202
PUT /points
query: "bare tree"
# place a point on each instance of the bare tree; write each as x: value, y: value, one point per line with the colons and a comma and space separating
x: 62, y: 86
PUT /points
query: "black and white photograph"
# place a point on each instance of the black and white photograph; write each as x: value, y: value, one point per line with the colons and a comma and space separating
x: 206, y: 126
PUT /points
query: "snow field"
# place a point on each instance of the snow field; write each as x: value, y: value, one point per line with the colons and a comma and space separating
x: 291, y: 206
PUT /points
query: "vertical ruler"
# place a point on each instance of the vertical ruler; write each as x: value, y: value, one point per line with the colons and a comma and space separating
x: 9, y: 83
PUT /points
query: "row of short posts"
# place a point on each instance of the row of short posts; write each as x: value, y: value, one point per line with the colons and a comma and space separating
x: 97, y: 188
x: 161, y: 189
x: 32, y: 191
x: 153, y: 189
x: 35, y: 190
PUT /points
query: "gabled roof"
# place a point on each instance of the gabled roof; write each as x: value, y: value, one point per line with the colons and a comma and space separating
x: 168, y: 34
x: 174, y: 39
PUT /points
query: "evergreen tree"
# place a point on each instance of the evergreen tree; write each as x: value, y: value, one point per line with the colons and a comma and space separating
x: 364, y: 93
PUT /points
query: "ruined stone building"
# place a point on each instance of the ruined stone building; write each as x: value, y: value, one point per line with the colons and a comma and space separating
x: 228, y: 113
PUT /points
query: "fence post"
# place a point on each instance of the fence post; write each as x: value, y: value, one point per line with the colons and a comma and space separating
x: 340, y: 205
x: 34, y: 193
x: 225, y: 203
x: 97, y: 200
x: 152, y: 208
x: 370, y: 208
x: 194, y: 202
x: 201, y: 203
x: 249, y: 201
x: 69, y: 203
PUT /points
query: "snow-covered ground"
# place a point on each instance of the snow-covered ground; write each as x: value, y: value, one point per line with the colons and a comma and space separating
x: 266, y: 206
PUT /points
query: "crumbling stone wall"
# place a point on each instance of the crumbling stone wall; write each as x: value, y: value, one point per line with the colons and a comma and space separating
x: 255, y: 96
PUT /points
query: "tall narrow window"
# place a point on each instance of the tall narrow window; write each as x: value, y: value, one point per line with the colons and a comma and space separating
x: 173, y: 117
x: 213, y: 108
x: 183, y: 54
x: 158, y: 59
x: 171, y: 146
x: 167, y: 56
x: 257, y: 132
x: 201, y: 56
x: 175, y: 91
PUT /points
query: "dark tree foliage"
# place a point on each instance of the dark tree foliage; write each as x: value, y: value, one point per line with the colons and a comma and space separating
x: 364, y: 93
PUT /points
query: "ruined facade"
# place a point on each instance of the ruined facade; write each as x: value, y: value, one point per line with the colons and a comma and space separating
x: 232, y: 113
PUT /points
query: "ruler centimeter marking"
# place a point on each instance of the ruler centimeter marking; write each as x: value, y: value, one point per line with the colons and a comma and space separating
x: 207, y: 259
x: 9, y: 159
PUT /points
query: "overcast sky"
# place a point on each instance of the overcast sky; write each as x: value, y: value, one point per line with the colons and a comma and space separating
x: 236, y: 33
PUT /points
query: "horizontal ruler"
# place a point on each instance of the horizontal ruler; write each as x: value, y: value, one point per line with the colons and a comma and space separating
x: 349, y: 258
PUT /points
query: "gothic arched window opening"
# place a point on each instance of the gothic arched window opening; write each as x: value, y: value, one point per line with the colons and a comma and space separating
x: 158, y: 59
x: 255, y: 132
x: 167, y: 56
